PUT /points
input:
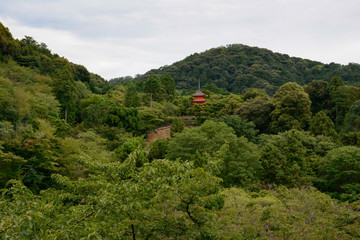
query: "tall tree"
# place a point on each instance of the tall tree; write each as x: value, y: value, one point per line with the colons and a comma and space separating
x: 292, y: 108
x: 132, y: 98
x: 319, y: 95
x: 168, y: 85
x: 153, y: 88
x: 340, y: 173
x: 321, y: 124
x: 64, y: 88
x: 352, y: 119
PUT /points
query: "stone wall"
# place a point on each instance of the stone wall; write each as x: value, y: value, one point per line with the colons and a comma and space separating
x: 160, y: 133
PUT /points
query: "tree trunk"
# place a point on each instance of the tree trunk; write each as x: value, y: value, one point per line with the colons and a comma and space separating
x: 66, y: 115
x: 150, y: 100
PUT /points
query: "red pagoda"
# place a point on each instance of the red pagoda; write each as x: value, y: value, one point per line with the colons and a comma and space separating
x: 199, y: 97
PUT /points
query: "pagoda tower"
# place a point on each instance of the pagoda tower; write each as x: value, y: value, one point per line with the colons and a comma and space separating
x: 199, y: 96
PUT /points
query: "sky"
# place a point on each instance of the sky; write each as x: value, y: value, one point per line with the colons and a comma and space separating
x: 115, y: 38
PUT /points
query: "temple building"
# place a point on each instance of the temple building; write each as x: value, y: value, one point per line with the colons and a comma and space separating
x: 199, y: 97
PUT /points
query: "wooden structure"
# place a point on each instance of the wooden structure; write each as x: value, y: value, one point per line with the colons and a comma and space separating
x: 199, y: 97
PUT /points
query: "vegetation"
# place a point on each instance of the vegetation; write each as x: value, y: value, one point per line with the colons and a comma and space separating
x: 76, y: 161
x: 236, y: 68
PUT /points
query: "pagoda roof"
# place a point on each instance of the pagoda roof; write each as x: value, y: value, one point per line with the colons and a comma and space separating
x: 199, y: 94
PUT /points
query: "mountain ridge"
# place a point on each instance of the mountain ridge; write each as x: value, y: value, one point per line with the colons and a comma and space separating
x: 238, y: 67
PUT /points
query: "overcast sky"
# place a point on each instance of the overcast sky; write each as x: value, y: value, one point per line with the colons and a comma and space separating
x: 116, y: 38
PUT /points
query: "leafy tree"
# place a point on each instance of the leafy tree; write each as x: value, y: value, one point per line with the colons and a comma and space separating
x: 177, y: 126
x: 292, y: 108
x: 334, y: 83
x: 129, y: 146
x: 321, y: 124
x: 238, y: 159
x: 291, y: 158
x: 134, y: 203
x: 285, y: 213
x: 158, y: 149
x: 230, y: 107
x: 132, y: 98
x: 64, y: 88
x: 208, y: 137
x: 168, y: 85
x: 255, y: 92
x: 153, y: 88
x: 239, y: 163
x: 10, y: 166
x: 151, y: 118
x: 257, y: 110
x: 97, y: 111
x: 352, y: 118
x: 240, y: 126
x: 319, y: 95
x: 340, y: 173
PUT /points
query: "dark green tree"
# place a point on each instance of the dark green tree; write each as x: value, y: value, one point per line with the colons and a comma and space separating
x: 157, y: 150
x: 321, y: 124
x: 240, y: 126
x: 257, y: 110
x: 352, y: 118
x: 340, y: 173
x: 319, y: 95
x: 153, y: 88
x: 292, y: 108
x: 177, y: 126
x: 132, y: 98
x: 334, y: 83
x: 168, y: 85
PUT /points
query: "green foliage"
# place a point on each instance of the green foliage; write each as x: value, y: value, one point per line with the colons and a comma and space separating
x: 255, y: 92
x: 292, y: 108
x: 352, y: 118
x: 240, y: 126
x: 129, y: 146
x: 168, y: 85
x: 208, y: 137
x: 97, y: 111
x: 340, y: 173
x: 237, y: 68
x: 71, y: 167
x: 297, y: 213
x: 158, y: 149
x: 141, y: 206
x: 9, y: 167
x: 335, y: 83
x: 132, y: 98
x: 321, y: 124
x: 319, y: 95
x: 151, y: 118
x: 177, y: 126
x: 257, y: 110
x: 64, y: 88
x: 153, y: 88
x: 351, y: 138
x: 239, y: 163
x: 292, y: 158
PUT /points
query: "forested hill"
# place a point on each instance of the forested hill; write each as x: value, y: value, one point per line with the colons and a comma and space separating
x: 237, y: 67
x: 27, y: 52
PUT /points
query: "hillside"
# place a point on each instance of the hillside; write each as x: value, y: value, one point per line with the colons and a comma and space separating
x: 75, y: 163
x: 237, y: 67
x: 27, y: 52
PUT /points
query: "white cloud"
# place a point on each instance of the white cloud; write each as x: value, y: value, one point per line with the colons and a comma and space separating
x: 118, y: 38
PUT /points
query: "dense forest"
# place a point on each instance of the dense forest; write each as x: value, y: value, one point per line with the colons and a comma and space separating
x: 236, y: 68
x: 274, y: 153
